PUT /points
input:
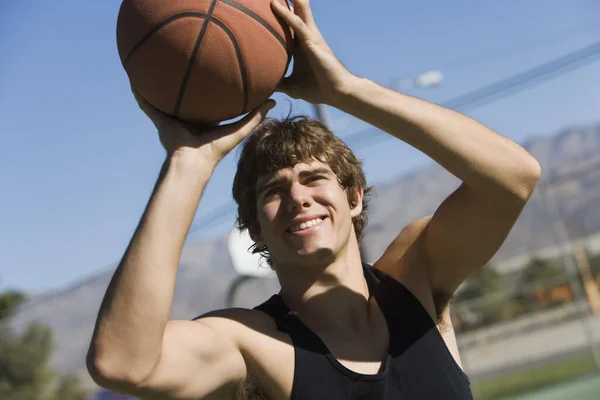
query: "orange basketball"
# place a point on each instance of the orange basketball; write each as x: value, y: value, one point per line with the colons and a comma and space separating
x: 203, y: 60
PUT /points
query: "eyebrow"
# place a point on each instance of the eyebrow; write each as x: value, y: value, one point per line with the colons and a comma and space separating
x: 302, y: 175
x: 316, y: 171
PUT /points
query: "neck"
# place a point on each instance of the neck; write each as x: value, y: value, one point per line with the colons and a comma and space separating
x: 332, y: 296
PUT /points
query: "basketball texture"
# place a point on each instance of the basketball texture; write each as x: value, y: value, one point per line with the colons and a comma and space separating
x: 203, y: 60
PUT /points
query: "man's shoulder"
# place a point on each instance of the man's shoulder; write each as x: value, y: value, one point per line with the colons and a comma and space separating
x: 237, y: 316
x: 238, y: 323
x: 267, y: 351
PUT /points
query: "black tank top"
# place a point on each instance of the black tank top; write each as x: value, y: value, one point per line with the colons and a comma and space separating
x: 418, y: 365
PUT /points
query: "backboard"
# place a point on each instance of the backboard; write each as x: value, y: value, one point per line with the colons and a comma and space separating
x: 244, y: 262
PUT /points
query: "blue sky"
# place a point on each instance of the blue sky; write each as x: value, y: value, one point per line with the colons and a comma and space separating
x: 78, y: 160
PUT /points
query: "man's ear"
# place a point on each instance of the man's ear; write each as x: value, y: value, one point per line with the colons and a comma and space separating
x: 356, y: 205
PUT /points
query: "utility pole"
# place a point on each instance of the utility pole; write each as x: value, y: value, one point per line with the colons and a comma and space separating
x: 321, y: 113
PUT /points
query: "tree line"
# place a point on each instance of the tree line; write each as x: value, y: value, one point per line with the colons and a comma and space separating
x: 490, y: 297
x: 25, y: 373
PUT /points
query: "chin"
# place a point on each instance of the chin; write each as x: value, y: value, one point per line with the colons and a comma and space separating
x: 316, y: 256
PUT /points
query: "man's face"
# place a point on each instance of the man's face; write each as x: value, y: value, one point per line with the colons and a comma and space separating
x: 304, y: 214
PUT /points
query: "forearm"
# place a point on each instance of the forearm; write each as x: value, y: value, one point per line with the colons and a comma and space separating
x: 478, y: 156
x: 137, y: 304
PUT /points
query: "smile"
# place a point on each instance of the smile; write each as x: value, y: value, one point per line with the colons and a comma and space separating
x: 306, y: 225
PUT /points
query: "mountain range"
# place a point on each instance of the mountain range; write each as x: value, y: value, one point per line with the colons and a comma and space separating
x: 206, y: 270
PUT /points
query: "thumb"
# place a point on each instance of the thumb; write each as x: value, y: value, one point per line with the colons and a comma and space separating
x: 257, y: 116
x: 246, y: 125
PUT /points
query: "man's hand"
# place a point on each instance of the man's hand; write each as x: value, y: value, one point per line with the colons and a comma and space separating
x: 318, y: 75
x: 209, y: 143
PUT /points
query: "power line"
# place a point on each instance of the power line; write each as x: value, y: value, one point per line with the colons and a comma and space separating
x: 510, y: 50
x: 485, y: 95
x: 540, y: 73
x: 504, y: 88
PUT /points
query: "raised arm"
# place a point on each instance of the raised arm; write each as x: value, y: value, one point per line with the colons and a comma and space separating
x: 498, y: 175
x: 135, y: 349
x: 498, y: 178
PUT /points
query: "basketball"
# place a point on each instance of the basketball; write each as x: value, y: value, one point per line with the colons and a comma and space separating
x: 203, y: 61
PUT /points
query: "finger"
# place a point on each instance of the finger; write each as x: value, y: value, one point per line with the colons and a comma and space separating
x: 303, y: 10
x: 143, y: 103
x: 292, y: 19
x: 155, y: 115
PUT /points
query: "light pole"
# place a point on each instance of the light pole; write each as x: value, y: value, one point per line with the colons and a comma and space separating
x: 321, y: 113
x: 561, y: 238
x: 424, y: 80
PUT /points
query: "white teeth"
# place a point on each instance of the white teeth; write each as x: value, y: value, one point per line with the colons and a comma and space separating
x: 306, y: 224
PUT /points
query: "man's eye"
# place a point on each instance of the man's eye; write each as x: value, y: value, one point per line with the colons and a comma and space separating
x: 271, y: 192
x: 316, y: 178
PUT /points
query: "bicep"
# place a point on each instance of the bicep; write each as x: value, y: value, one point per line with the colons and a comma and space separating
x: 196, y: 362
x: 464, y: 234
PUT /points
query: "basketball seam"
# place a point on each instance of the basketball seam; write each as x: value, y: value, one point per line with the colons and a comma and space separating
x: 239, y: 56
x: 202, y: 15
x: 207, y: 19
x: 158, y: 27
x: 221, y: 25
x: 258, y: 19
x: 188, y: 72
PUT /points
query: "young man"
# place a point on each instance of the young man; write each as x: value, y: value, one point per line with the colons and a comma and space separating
x: 339, y: 329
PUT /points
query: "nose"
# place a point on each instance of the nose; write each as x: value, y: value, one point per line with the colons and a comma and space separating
x: 298, y: 198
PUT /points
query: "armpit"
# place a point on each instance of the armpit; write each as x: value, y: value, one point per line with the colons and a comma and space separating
x: 441, y: 302
x: 249, y: 390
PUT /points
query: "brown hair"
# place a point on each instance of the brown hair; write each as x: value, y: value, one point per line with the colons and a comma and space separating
x: 278, y: 144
